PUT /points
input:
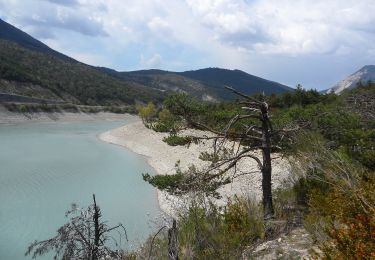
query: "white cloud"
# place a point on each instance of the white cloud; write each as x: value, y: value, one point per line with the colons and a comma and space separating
x: 270, y: 27
x: 68, y: 16
x: 271, y: 37
x: 64, y: 2
x: 157, y: 24
x: 287, y: 27
x: 223, y: 16
x: 152, y: 62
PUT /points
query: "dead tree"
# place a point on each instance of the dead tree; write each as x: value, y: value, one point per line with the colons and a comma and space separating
x: 172, y: 242
x: 97, y: 228
x: 248, y: 135
x: 253, y: 137
x: 83, y: 237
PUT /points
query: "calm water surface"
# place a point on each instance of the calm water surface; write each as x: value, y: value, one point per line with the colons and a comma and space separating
x: 46, y: 167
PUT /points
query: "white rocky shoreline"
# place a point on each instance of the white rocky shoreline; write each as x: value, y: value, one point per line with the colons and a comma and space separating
x: 162, y: 157
x: 11, y: 118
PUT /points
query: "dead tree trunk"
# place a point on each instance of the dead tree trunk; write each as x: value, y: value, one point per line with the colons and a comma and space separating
x: 96, y: 217
x: 267, y: 164
x: 250, y: 132
x: 172, y: 242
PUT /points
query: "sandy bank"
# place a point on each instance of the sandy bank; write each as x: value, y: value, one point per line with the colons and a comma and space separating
x: 162, y: 157
x: 7, y: 117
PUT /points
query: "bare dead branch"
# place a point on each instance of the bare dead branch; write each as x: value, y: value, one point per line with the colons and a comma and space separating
x: 242, y: 95
x: 152, y: 241
x: 83, y: 237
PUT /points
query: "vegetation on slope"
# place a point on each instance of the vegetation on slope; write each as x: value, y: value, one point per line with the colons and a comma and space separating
x: 334, y: 153
x: 11, y: 33
x: 72, y: 82
x: 340, y: 199
x: 206, y: 84
x: 172, y: 82
x: 216, y: 79
x: 332, y: 193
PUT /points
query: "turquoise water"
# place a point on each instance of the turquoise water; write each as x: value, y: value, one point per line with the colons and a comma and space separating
x: 46, y: 167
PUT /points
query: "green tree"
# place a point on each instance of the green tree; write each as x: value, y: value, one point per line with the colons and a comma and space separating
x: 183, y: 106
x: 147, y: 112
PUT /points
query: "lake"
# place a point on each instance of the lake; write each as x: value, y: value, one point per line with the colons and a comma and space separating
x: 46, y: 167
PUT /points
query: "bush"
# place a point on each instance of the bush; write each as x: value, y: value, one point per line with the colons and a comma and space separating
x: 207, y: 231
x: 174, y: 140
x: 167, y: 122
x: 32, y: 108
x: 147, y: 113
x: 341, y: 198
x: 161, y: 127
x: 211, y: 232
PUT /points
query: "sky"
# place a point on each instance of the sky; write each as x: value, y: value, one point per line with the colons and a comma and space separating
x: 310, y: 42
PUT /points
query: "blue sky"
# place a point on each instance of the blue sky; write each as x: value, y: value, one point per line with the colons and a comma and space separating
x: 312, y: 42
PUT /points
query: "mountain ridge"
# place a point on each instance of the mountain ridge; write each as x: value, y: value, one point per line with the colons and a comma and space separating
x: 211, y: 80
x: 206, y: 84
x: 12, y: 33
x: 363, y: 75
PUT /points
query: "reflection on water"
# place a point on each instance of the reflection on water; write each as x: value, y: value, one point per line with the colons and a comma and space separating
x: 46, y: 167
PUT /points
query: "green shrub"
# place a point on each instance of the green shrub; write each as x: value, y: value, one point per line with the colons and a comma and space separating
x: 211, y: 232
x: 341, y: 198
x: 207, y: 231
x: 169, y: 183
x: 147, y: 113
x: 174, y: 140
x: 161, y: 127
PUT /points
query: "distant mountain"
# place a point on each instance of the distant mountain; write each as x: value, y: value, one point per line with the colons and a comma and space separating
x: 208, y: 84
x: 39, y: 75
x: 365, y: 74
x: 11, y: 33
x: 166, y: 81
x: 30, y: 68
x: 216, y: 79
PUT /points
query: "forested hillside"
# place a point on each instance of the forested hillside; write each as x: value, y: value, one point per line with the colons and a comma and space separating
x: 29, y: 67
x: 11, y: 33
x: 36, y: 74
x: 217, y: 78
x: 207, y: 84
x: 171, y: 81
